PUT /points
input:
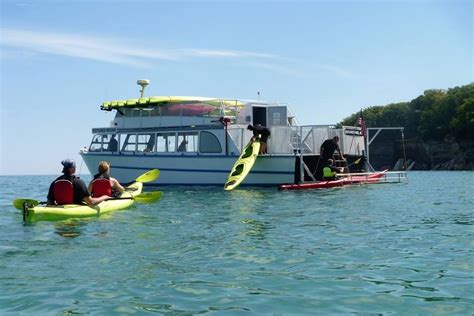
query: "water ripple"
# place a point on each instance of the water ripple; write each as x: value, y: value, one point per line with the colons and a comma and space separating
x: 366, y: 250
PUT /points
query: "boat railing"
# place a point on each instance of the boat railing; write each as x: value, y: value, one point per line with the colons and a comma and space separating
x: 302, y: 140
x: 307, y: 139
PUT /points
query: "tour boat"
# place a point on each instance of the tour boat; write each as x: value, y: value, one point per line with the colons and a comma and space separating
x: 197, y: 140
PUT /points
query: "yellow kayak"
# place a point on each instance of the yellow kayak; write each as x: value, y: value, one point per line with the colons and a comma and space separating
x: 242, y: 166
x: 61, y: 212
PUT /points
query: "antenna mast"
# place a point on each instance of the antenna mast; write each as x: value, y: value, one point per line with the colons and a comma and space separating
x: 143, y: 83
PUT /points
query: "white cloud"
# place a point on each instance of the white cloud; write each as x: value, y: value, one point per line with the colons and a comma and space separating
x: 115, y: 51
x: 226, y: 53
x: 334, y: 69
x: 105, y: 50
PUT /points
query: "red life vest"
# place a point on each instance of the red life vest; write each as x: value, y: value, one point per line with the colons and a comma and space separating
x: 63, y: 191
x: 101, y: 186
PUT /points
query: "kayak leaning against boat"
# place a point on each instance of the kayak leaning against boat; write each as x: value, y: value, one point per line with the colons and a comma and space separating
x: 69, y: 189
x: 103, y: 183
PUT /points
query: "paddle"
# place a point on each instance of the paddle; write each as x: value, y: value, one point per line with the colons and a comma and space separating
x: 149, y: 197
x: 355, y: 162
x: 18, y: 203
x: 148, y: 176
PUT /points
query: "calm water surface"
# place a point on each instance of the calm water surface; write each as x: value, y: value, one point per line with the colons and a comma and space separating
x: 381, y: 249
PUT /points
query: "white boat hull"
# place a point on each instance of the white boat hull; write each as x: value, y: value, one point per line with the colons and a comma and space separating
x: 194, y: 169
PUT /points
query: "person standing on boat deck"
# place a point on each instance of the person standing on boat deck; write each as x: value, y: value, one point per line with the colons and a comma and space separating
x: 327, y: 149
x: 69, y: 189
x: 113, y: 144
x: 182, y: 146
x: 261, y: 133
x: 330, y: 171
x: 103, y: 183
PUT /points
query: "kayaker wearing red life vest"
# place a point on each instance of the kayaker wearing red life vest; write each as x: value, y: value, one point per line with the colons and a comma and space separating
x: 103, y: 183
x: 69, y: 189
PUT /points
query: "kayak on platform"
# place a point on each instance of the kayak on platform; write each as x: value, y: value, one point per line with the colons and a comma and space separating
x: 345, y: 180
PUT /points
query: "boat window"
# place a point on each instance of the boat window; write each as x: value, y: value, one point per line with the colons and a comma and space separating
x: 146, y: 142
x: 187, y: 141
x: 156, y: 111
x: 129, y: 142
x: 146, y: 112
x: 209, y: 143
x: 166, y: 142
x: 111, y: 144
x: 136, y: 113
x: 96, y: 144
x: 127, y: 112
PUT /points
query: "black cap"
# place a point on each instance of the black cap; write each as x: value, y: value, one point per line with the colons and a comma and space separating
x: 68, y: 163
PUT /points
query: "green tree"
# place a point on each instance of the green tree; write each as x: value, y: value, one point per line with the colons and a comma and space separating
x: 432, y: 116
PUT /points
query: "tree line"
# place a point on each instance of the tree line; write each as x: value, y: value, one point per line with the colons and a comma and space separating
x: 434, y: 115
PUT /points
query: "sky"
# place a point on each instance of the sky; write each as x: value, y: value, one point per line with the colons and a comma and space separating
x: 328, y: 59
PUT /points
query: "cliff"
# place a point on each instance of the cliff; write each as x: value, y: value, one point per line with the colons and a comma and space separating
x: 448, y: 154
x: 439, y: 126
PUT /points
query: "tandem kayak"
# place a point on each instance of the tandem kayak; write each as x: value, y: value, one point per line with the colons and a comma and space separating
x: 62, y: 212
x: 349, y: 180
x: 243, y: 165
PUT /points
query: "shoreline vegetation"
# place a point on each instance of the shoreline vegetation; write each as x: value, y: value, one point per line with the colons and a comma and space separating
x: 439, y: 130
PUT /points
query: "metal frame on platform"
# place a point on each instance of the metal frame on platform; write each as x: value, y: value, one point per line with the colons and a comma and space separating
x: 378, y: 130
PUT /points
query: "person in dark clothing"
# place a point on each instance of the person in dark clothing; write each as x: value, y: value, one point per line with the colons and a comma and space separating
x: 113, y: 144
x: 69, y: 189
x: 260, y: 133
x: 327, y: 149
x: 182, y: 145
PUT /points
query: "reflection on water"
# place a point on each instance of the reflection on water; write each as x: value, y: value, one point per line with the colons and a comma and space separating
x: 255, y: 228
x: 69, y: 228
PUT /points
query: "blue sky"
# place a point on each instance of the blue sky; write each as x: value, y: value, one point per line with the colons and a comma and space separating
x: 61, y: 59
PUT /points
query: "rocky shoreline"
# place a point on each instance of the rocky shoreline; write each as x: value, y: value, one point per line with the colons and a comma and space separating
x: 449, y: 154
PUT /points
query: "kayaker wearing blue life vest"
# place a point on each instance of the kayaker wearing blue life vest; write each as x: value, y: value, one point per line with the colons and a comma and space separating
x: 330, y: 171
x: 103, y: 183
x: 69, y: 189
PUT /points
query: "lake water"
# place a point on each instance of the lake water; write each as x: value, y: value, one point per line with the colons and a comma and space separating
x: 365, y: 250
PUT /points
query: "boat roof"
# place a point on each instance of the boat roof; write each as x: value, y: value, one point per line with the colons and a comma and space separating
x: 170, y: 100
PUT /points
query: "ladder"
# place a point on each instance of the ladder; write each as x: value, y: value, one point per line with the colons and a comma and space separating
x: 338, y: 162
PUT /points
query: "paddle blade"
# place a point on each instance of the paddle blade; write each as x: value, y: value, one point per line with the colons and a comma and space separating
x: 18, y: 203
x: 149, y: 176
x: 149, y: 197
